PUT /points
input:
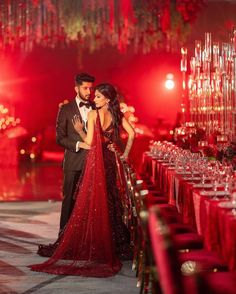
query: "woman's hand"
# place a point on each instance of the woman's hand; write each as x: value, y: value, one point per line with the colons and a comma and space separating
x: 124, y: 157
x: 84, y: 145
x: 78, y: 125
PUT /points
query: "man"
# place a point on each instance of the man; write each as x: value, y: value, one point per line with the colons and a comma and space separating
x: 68, y: 138
x: 74, y: 156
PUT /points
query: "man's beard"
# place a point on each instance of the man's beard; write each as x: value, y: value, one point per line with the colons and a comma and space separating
x: 81, y: 96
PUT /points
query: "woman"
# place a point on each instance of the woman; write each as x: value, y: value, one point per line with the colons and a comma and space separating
x: 95, y: 237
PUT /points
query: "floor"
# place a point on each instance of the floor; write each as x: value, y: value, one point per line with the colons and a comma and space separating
x: 29, y: 215
x: 31, y: 182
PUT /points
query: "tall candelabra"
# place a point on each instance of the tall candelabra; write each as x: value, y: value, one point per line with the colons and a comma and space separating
x: 212, y: 85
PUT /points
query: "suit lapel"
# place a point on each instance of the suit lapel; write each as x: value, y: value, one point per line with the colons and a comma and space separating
x: 75, y: 109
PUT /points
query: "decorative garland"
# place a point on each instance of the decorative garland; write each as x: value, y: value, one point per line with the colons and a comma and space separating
x: 92, y: 24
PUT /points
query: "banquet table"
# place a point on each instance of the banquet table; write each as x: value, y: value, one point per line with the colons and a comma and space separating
x: 207, y: 210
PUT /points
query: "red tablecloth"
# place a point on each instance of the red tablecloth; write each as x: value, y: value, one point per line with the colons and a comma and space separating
x: 215, y: 223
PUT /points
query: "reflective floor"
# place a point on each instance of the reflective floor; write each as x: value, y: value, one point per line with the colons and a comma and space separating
x: 24, y: 225
x: 30, y: 204
x: 31, y: 182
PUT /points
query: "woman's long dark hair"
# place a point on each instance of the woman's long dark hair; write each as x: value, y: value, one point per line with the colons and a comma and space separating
x: 114, y: 106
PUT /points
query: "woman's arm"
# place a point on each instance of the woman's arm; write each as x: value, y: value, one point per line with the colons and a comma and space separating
x: 131, y: 134
x: 91, y: 123
x: 78, y: 125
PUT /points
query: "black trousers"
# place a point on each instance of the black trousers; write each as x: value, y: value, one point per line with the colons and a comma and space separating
x: 69, y: 185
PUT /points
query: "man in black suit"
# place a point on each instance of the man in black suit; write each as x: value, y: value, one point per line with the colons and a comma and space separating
x: 68, y: 138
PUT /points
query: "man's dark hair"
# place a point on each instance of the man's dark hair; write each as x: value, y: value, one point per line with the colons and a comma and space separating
x: 83, y: 77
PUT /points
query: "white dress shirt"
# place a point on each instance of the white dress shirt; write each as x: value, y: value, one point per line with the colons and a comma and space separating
x: 84, y: 114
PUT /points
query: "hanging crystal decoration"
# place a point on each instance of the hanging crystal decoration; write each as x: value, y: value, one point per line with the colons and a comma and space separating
x: 26, y: 23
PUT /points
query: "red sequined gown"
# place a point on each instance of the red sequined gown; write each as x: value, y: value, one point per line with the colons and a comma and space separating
x: 95, y: 238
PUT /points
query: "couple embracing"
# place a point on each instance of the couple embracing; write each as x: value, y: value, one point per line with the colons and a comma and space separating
x: 92, y: 238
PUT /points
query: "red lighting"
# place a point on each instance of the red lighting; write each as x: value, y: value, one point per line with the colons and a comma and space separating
x: 170, y: 76
x: 169, y: 84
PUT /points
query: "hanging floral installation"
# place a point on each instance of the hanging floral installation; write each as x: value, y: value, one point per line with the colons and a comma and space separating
x: 142, y: 25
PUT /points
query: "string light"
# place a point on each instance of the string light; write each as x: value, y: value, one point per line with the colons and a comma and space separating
x: 6, y: 121
x: 22, y: 151
x: 32, y: 155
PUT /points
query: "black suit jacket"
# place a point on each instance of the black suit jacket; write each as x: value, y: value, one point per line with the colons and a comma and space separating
x: 67, y: 137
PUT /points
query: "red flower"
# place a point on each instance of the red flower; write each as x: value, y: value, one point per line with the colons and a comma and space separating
x: 209, y: 151
x: 189, y: 8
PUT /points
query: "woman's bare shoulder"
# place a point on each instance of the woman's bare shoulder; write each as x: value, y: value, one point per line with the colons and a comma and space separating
x: 92, y: 114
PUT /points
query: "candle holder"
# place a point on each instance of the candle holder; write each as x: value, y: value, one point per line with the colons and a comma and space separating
x: 212, y: 86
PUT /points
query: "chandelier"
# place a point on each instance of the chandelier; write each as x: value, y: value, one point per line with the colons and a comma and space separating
x: 92, y: 24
